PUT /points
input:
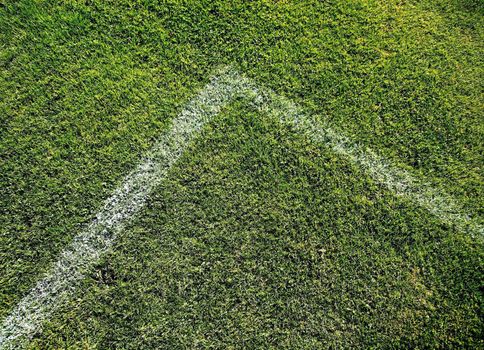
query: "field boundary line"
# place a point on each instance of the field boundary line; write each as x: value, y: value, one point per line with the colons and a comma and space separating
x: 90, y: 245
x: 397, y: 180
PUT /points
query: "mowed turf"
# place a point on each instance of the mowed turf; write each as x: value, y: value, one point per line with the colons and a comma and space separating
x: 259, y: 237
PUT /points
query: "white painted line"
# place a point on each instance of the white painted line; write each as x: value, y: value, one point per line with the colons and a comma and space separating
x: 395, y: 179
x: 398, y: 181
x: 85, y: 250
x: 55, y: 288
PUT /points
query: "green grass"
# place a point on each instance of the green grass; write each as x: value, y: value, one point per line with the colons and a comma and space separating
x: 258, y: 238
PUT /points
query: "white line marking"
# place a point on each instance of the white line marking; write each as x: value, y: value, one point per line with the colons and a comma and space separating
x: 398, y: 181
x: 85, y: 250
x: 54, y: 289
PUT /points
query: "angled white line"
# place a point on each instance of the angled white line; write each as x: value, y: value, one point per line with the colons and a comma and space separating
x: 79, y: 257
x: 85, y: 250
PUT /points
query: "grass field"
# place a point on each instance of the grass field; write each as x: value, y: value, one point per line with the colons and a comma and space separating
x: 259, y: 237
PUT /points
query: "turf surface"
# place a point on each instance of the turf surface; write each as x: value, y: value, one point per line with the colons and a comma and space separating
x: 259, y: 238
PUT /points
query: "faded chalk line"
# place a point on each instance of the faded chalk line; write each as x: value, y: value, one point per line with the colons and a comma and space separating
x: 86, y: 249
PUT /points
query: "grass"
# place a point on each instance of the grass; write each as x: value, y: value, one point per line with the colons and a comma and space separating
x: 259, y: 238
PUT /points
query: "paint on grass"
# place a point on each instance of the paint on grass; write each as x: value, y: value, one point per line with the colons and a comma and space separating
x: 87, y: 248
x: 399, y: 181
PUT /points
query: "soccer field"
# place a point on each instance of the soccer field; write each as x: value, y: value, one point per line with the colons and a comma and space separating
x: 232, y: 174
